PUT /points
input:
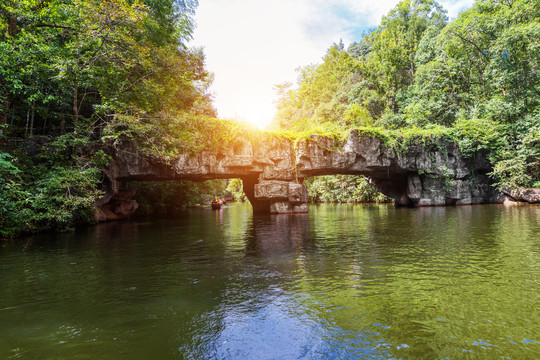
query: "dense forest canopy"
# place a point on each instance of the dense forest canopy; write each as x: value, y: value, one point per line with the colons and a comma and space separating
x: 475, y: 79
x: 76, y: 65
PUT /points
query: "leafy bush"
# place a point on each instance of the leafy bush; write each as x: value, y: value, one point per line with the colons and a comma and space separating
x: 519, y: 166
x: 236, y: 188
x: 12, y: 198
x: 44, y: 193
x: 417, y: 114
x: 357, y: 115
x: 476, y: 134
x: 342, y: 189
x: 64, y: 198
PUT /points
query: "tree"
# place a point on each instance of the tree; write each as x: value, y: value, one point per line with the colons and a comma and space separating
x: 75, y: 70
x: 323, y: 92
x: 484, y: 64
x: 390, y: 66
x: 80, y: 63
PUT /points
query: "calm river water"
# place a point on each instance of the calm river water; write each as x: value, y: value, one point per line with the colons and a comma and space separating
x: 342, y: 282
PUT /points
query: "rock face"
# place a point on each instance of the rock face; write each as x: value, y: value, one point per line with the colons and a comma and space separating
x: 273, y: 169
x: 529, y: 195
x: 420, y: 175
x: 116, y: 207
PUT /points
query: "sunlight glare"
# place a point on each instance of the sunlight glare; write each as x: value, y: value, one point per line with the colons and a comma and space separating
x: 258, y: 121
x: 255, y: 110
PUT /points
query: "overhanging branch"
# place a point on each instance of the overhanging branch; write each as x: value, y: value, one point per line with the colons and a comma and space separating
x: 53, y: 26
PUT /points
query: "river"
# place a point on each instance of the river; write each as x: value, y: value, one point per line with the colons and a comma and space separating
x: 341, y: 282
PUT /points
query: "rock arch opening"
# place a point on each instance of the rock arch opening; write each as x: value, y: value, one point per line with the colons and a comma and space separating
x: 273, y: 169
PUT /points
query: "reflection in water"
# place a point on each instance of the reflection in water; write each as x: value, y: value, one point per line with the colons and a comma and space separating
x: 343, y: 281
x: 272, y: 235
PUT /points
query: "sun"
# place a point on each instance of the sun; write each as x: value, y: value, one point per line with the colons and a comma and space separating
x: 252, y: 103
x: 256, y: 114
x: 261, y: 122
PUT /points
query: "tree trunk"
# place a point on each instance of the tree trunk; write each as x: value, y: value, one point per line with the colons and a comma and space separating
x: 12, y: 28
x: 3, y: 121
x: 4, y: 112
x: 32, y: 119
x: 63, y: 125
x: 76, y: 106
x: 27, y: 122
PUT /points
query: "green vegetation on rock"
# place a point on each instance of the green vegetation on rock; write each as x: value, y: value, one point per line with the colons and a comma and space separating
x: 418, y: 78
x: 51, y: 189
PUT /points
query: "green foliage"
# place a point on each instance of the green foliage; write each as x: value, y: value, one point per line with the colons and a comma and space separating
x: 483, y: 64
x: 476, y: 134
x: 357, y: 115
x: 390, y: 67
x: 417, y: 114
x: 520, y: 166
x: 46, y: 196
x: 80, y: 64
x: 167, y: 135
x: 236, y: 188
x: 12, y: 198
x: 322, y: 96
x: 342, y: 189
x: 64, y: 198
x: 100, y: 159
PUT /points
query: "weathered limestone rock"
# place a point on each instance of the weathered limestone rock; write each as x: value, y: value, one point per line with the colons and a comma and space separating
x: 270, y: 190
x: 529, y: 195
x: 279, y: 193
x: 298, y: 193
x: 119, y: 206
x: 273, y: 170
x: 418, y: 176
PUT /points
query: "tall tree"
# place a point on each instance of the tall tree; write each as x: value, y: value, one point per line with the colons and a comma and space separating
x: 483, y: 64
x: 323, y: 92
x: 85, y: 60
x: 390, y: 65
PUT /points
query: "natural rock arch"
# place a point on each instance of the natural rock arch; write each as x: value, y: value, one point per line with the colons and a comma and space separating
x: 273, y: 169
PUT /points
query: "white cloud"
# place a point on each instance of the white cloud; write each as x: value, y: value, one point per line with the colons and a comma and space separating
x: 251, y: 45
x: 454, y: 7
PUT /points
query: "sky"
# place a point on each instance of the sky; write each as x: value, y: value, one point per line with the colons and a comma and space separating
x: 252, y: 45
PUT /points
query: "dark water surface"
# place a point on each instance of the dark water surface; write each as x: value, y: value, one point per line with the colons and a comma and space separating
x: 342, y: 282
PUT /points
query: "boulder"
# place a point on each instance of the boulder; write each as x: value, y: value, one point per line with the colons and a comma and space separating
x: 529, y: 195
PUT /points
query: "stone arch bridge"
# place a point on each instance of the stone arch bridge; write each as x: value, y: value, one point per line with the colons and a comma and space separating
x: 273, y: 169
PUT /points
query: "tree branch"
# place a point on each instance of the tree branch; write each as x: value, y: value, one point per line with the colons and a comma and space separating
x: 471, y: 43
x: 53, y: 26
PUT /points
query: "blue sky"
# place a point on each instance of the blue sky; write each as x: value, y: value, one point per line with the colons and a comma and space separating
x: 252, y: 45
